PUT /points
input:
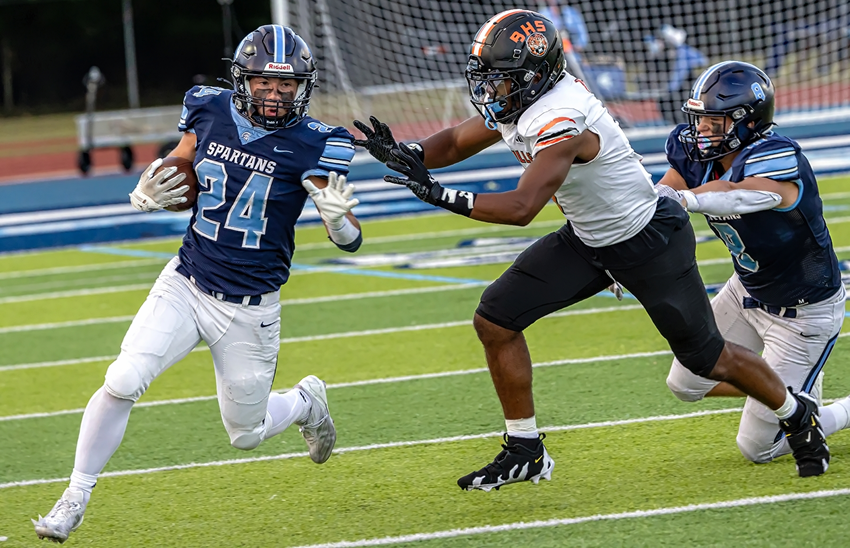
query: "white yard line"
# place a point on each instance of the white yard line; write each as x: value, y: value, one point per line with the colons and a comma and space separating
x: 285, y: 302
x: 540, y: 524
x: 60, y: 325
x: 74, y: 293
x: 329, y: 336
x: 80, y: 268
x: 435, y: 235
x: 378, y: 446
x: 367, y: 382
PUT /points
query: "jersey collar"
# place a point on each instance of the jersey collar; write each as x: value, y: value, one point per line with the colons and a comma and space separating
x: 246, y: 130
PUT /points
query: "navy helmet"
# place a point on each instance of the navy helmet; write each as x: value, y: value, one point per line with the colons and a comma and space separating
x: 733, y: 89
x: 273, y: 51
x: 516, y: 57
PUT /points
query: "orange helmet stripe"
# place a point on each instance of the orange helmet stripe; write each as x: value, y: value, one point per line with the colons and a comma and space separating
x: 481, y: 37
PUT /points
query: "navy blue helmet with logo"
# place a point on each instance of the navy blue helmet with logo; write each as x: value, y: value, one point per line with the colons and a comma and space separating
x: 733, y: 89
x: 516, y: 57
x: 273, y: 51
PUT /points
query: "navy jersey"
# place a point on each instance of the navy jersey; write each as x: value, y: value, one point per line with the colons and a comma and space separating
x: 784, y: 257
x: 242, y: 233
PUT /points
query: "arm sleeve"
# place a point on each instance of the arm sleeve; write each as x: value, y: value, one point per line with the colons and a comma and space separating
x: 733, y: 202
x: 336, y: 155
x: 552, y: 127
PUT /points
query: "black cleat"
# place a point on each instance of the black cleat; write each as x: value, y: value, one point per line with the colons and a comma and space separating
x: 517, y: 462
x: 806, y: 439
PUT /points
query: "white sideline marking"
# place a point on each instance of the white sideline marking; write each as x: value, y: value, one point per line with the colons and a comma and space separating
x: 437, y: 234
x: 376, y: 446
x: 367, y: 382
x: 59, y: 325
x: 80, y: 268
x: 74, y: 293
x: 522, y: 525
x: 287, y: 302
x: 378, y: 294
x: 329, y: 336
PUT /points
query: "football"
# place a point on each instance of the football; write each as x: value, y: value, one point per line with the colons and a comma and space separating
x: 183, y: 166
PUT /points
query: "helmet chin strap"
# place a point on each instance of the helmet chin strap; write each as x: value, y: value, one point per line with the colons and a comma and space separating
x: 489, y: 118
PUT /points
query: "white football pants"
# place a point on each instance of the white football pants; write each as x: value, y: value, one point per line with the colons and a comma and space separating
x: 244, y: 342
x: 796, y: 348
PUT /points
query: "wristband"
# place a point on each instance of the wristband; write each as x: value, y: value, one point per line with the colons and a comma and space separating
x: 456, y: 201
x: 417, y: 149
x: 344, y: 235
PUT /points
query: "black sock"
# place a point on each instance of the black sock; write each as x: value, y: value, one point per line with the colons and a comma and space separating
x: 528, y: 443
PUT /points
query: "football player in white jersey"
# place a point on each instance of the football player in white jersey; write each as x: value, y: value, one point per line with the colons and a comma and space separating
x: 618, y: 229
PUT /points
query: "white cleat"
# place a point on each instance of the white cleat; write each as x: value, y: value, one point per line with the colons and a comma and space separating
x: 319, y: 431
x: 65, y: 518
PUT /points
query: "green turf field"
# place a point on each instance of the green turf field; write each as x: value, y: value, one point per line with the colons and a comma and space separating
x: 414, y: 407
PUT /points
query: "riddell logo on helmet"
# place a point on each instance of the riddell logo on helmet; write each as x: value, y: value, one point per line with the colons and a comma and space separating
x: 693, y: 103
x: 280, y: 67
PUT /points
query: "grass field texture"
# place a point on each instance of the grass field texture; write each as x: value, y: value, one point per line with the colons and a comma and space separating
x: 414, y: 406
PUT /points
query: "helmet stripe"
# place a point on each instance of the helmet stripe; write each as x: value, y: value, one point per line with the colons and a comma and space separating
x: 481, y: 37
x: 279, y: 42
x: 697, y: 89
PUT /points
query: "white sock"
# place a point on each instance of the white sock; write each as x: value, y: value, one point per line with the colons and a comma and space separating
x: 788, y: 407
x: 101, y: 432
x: 285, y: 409
x: 835, y: 417
x: 522, y: 428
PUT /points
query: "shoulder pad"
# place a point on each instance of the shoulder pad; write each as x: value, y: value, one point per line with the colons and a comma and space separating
x: 773, y: 157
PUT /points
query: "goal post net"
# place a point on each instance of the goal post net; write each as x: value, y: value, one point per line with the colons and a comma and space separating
x: 403, y: 60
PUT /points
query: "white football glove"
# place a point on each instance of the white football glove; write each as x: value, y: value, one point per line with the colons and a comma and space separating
x: 333, y: 201
x: 669, y: 192
x: 154, y: 192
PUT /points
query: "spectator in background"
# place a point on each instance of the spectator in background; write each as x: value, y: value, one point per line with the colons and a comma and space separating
x: 678, y: 65
x: 825, y: 39
x: 568, y: 21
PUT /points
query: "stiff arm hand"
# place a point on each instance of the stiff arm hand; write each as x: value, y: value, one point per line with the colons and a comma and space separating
x: 333, y: 201
x: 156, y: 191
x: 379, y: 139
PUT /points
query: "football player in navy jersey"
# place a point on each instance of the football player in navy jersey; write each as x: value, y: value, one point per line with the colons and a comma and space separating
x: 257, y: 156
x: 760, y: 197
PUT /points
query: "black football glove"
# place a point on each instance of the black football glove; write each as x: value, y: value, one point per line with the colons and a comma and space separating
x: 379, y: 139
x: 424, y: 186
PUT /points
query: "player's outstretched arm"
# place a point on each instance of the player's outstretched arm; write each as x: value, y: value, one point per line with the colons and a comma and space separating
x: 333, y: 199
x: 160, y: 189
x: 516, y: 207
x: 444, y: 148
x: 719, y: 198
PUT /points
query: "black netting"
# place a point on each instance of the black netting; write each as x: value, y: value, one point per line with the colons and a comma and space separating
x: 403, y: 60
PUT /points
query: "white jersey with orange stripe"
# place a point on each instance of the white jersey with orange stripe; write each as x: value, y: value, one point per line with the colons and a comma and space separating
x: 609, y: 199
